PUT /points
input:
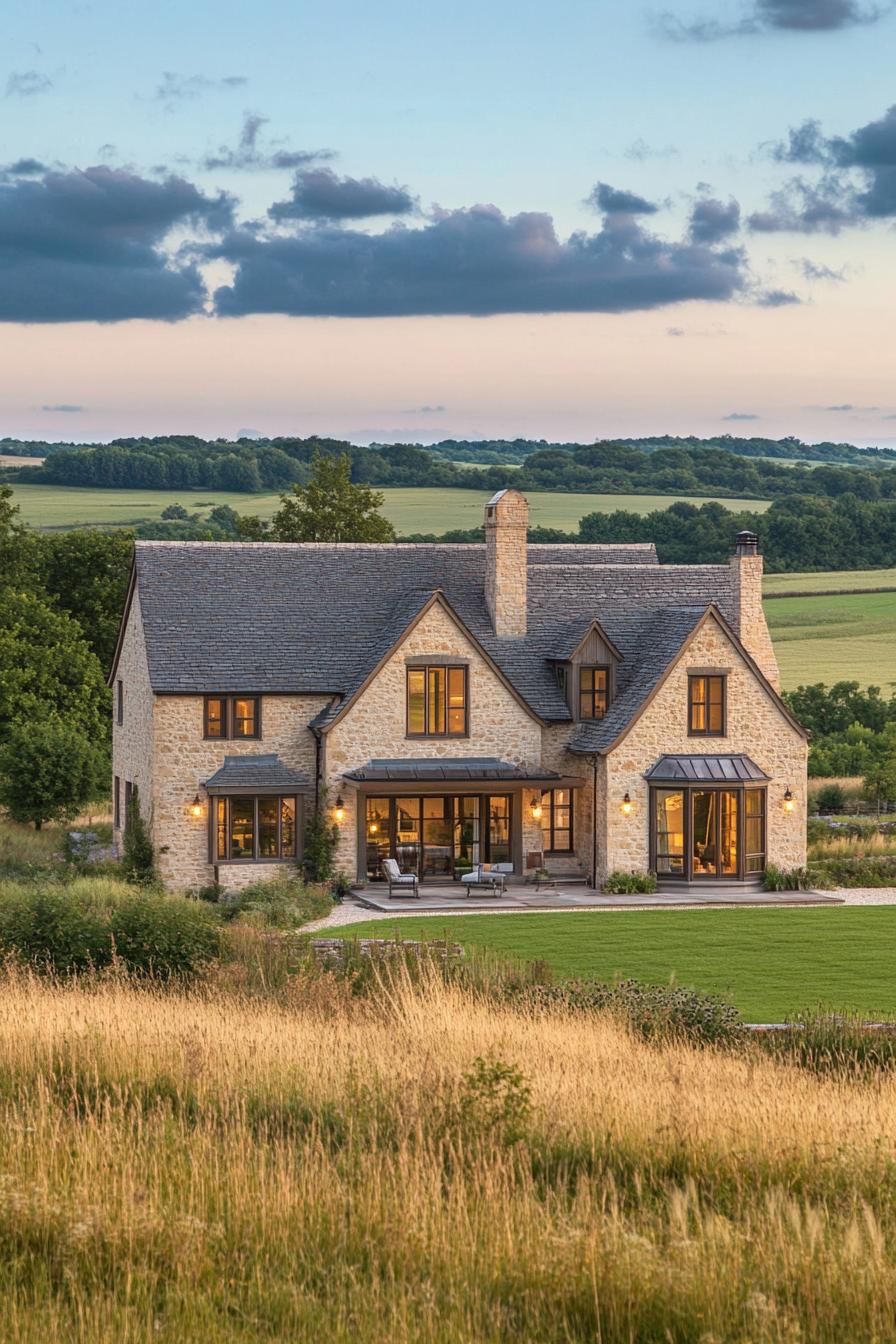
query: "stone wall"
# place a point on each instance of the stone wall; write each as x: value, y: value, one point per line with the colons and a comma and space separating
x: 132, y: 741
x: 756, y: 727
x: 750, y: 624
x: 184, y: 760
x: 555, y: 756
x: 375, y: 726
x: 506, y: 525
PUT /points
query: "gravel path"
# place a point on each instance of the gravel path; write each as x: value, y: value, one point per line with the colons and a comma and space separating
x: 351, y: 912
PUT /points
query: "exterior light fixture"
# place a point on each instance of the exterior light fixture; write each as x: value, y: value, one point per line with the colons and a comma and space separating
x: 788, y: 800
x: 373, y: 827
x: 196, y: 807
x: 535, y: 807
x: 339, y: 812
x: 626, y: 804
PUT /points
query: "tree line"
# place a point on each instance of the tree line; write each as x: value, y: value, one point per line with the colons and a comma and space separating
x: 189, y: 463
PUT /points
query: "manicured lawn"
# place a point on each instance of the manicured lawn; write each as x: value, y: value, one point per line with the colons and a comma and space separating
x: 770, y: 962
x: 846, y: 637
x: 411, y: 510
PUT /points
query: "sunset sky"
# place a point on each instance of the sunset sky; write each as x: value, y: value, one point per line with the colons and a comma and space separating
x: 418, y: 221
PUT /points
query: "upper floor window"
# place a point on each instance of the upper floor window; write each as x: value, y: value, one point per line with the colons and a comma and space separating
x: 594, y: 691
x: 119, y: 701
x: 706, y: 705
x: 437, y: 701
x: 228, y: 716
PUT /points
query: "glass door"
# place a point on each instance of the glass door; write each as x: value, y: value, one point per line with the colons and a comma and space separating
x: 715, y: 833
x: 438, y: 838
x: 466, y: 834
x: 499, y: 828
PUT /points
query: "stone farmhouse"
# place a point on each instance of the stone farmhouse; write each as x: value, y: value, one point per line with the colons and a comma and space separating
x: 576, y: 707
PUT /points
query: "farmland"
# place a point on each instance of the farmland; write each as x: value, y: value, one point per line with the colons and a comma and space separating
x: 410, y: 510
x: 849, y: 636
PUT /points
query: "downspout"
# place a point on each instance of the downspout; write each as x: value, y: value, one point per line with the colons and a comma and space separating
x: 594, y: 822
x: 318, y: 743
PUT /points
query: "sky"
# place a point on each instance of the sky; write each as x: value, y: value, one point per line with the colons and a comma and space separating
x: 412, y: 221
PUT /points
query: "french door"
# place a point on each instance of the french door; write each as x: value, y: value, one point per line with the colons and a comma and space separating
x: 708, y: 833
x: 437, y: 835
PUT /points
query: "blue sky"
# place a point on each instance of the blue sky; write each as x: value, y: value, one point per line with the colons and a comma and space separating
x: 160, y: 294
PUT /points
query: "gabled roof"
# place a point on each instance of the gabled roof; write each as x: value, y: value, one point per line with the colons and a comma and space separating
x: 316, y: 619
x: 569, y: 643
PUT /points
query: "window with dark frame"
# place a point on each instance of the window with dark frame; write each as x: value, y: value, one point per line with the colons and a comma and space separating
x: 437, y: 701
x: 594, y: 691
x: 254, y: 827
x: 706, y: 705
x: 119, y: 701
x: 116, y: 802
x: 556, y: 821
x: 229, y: 717
x: 128, y: 794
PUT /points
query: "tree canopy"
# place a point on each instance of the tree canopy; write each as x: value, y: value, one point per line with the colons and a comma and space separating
x: 331, y: 508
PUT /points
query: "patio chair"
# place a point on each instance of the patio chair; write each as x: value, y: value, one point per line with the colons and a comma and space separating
x: 400, y: 884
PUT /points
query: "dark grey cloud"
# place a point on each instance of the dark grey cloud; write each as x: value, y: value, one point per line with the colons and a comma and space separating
x: 614, y: 201
x: 27, y: 83
x: 22, y: 168
x: 65, y: 407
x: 712, y: 220
x: 826, y: 206
x: 176, y: 88
x: 317, y: 193
x: 777, y: 298
x: 740, y: 415
x: 472, y: 261
x: 763, y: 16
x: 804, y: 144
x: 249, y: 155
x: 816, y: 270
x: 430, y: 410
x: 88, y: 246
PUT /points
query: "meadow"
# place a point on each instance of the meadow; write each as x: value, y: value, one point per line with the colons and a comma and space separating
x: 849, y: 636
x: 833, y: 581
x: 424, y: 1167
x: 410, y: 510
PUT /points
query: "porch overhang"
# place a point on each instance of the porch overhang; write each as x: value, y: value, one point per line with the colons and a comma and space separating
x: 256, y: 775
x: 733, y: 770
x: 443, y: 774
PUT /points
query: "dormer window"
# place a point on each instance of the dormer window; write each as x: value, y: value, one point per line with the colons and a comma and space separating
x: 594, y: 692
x: 437, y: 703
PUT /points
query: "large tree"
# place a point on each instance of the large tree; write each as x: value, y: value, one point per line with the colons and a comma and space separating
x: 86, y: 571
x: 331, y: 508
x: 49, y: 771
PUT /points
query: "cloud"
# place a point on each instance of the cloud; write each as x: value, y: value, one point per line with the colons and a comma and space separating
x: 248, y: 156
x: 675, y: 331
x: 428, y: 410
x: 741, y: 415
x: 712, y: 220
x: 88, y: 246
x: 763, y: 16
x: 176, y: 88
x: 804, y: 144
x: 65, y: 407
x: 611, y: 201
x: 777, y: 298
x: 471, y: 261
x: 816, y: 270
x: 639, y: 150
x: 826, y: 206
x: 22, y: 168
x: 846, y: 406
x: 26, y: 83
x: 317, y: 193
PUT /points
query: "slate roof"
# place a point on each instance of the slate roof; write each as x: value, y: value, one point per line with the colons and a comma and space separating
x: 709, y: 769
x: 458, y: 769
x: 275, y: 618
x: 257, y: 774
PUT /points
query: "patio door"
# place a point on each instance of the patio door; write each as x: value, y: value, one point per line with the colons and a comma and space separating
x: 715, y: 833
x: 437, y: 835
x: 708, y: 833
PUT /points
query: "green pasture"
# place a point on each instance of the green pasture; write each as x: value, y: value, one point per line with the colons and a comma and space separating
x: 830, y: 581
x: 770, y: 962
x: 411, y: 509
x: 844, y: 637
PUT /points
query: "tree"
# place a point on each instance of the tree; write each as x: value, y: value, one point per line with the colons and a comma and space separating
x: 174, y: 511
x: 879, y: 783
x: 331, y: 508
x: 17, y: 557
x: 86, y: 571
x: 48, y: 771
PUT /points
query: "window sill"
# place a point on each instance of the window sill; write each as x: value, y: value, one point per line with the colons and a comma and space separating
x: 237, y: 862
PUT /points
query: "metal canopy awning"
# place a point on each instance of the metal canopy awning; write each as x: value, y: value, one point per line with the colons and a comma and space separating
x: 256, y: 774
x: 442, y: 770
x: 706, y: 770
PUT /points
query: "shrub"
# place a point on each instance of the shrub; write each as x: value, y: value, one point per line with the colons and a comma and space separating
x: 629, y: 884
x: 828, y: 1042
x: 137, y: 860
x: 863, y: 871
x: 786, y: 879
x: 87, y: 924
x: 285, y: 902
x: 652, y: 1011
x: 830, y: 798
x: 341, y: 886
x: 320, y: 845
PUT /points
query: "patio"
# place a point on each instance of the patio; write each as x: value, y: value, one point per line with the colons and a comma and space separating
x: 446, y: 898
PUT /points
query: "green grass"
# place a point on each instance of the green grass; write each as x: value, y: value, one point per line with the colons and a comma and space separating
x: 411, y: 510
x: 830, y: 581
x: 846, y: 637
x: 770, y: 962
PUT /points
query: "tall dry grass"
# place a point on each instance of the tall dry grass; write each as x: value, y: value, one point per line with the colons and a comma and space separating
x: 215, y: 1167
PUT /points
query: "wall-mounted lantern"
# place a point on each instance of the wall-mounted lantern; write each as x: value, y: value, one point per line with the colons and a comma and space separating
x: 788, y: 800
x: 626, y: 804
x: 535, y: 807
x: 339, y: 810
x: 196, y: 808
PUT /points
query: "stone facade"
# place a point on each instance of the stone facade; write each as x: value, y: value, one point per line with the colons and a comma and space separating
x: 750, y: 624
x: 756, y: 726
x: 375, y: 726
x: 506, y: 525
x: 133, y: 754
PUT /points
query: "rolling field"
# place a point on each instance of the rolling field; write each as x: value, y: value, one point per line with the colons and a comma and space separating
x: 770, y: 963
x: 844, y: 637
x: 839, y: 581
x: 410, y: 510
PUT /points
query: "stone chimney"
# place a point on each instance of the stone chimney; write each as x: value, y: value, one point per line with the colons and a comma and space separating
x: 506, y: 524
x: 749, y: 617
